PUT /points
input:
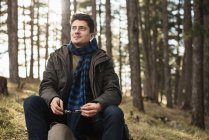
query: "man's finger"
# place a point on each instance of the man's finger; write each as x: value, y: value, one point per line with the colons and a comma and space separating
x: 61, y: 105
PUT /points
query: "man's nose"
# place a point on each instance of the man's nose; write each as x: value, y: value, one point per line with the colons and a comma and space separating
x: 77, y: 30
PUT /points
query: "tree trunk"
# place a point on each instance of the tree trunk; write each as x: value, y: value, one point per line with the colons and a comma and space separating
x: 12, y: 26
x: 178, y: 57
x: 108, y: 28
x: 120, y: 50
x: 31, y: 37
x: 188, y: 54
x: 206, y: 56
x: 167, y: 86
x: 153, y: 54
x: 47, y: 35
x: 75, y: 6
x: 94, y: 13
x: 133, y: 35
x: 145, y: 33
x: 160, y: 70
x: 197, y: 81
x: 100, y: 25
x: 181, y: 84
x: 154, y: 67
x: 66, y: 13
x: 24, y: 41
x: 38, y: 39
x: 3, y: 86
x: 149, y: 39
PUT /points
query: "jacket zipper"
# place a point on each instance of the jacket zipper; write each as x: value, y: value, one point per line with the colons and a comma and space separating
x: 96, y: 62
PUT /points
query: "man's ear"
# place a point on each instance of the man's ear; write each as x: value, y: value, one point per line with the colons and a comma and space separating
x: 93, y: 34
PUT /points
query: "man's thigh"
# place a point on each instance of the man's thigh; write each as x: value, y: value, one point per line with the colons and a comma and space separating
x: 90, y: 127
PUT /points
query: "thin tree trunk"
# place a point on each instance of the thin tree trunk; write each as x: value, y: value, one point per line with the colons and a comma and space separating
x: 181, y: 84
x: 38, y: 39
x: 153, y: 55
x: 75, y: 6
x: 108, y: 28
x: 133, y: 35
x: 188, y: 54
x: 206, y: 56
x: 94, y: 13
x: 120, y: 51
x: 24, y: 41
x: 197, y: 81
x: 31, y: 37
x: 100, y: 25
x: 160, y: 70
x: 178, y: 57
x: 12, y: 26
x: 66, y: 13
x: 167, y: 86
x: 47, y: 35
x: 154, y: 67
x: 145, y: 33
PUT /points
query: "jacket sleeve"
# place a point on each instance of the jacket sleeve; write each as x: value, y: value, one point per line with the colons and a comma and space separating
x: 110, y: 89
x: 48, y: 87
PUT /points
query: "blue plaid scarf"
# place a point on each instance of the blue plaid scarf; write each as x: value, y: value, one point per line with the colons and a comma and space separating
x: 77, y: 96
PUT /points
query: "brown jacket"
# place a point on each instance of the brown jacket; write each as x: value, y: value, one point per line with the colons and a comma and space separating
x: 57, y: 78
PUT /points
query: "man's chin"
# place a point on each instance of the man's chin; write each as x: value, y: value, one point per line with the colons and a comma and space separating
x: 77, y: 44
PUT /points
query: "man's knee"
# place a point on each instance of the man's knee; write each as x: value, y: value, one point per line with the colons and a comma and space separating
x: 114, y: 112
x: 60, y: 132
x: 33, y: 102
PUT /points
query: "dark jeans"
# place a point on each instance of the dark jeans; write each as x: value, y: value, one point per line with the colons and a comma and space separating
x: 109, y: 123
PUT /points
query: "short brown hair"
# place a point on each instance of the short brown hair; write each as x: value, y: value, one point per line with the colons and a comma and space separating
x: 85, y: 17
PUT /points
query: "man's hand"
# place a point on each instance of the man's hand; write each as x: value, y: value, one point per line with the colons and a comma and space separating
x: 90, y: 109
x: 56, y: 106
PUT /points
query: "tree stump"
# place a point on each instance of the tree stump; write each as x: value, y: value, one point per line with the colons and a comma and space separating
x: 3, y: 86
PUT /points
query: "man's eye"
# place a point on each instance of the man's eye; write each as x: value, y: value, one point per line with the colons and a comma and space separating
x: 73, y: 28
x: 82, y: 28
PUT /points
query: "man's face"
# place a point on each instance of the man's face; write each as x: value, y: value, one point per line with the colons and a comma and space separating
x: 80, y: 33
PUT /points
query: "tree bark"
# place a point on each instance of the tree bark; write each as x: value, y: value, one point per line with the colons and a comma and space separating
x: 66, y: 13
x: 133, y: 35
x: 47, y: 36
x: 149, y: 34
x: 181, y: 84
x: 38, y: 39
x: 100, y: 25
x: 206, y: 55
x: 108, y: 28
x: 167, y: 86
x: 12, y: 26
x: 120, y: 50
x: 31, y: 37
x: 188, y: 54
x: 145, y: 33
x: 94, y: 13
x: 178, y: 57
x: 197, y: 81
x: 24, y: 41
x: 3, y: 86
x: 75, y: 6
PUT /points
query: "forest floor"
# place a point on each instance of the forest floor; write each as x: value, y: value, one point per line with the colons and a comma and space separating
x: 157, y: 123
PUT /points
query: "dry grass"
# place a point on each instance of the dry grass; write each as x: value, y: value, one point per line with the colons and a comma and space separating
x: 157, y: 123
x: 161, y: 123
x: 12, y: 122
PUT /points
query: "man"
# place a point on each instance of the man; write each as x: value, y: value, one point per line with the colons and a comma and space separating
x: 79, y: 91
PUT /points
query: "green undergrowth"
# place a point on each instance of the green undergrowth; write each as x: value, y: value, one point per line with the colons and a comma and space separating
x: 156, y: 123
